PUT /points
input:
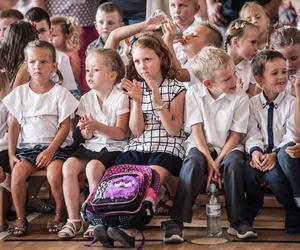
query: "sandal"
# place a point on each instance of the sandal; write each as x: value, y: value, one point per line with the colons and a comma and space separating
x: 34, y: 204
x: 58, y: 223
x: 69, y: 230
x: 19, y: 230
x: 89, y: 233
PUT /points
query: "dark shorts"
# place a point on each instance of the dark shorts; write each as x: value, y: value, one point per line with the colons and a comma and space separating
x: 31, y: 154
x: 4, y: 161
x: 168, y: 161
x: 106, y: 157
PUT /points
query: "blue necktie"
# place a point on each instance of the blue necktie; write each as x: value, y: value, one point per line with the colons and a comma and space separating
x: 270, y: 128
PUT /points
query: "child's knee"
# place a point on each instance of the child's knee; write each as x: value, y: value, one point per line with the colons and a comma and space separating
x: 94, y: 165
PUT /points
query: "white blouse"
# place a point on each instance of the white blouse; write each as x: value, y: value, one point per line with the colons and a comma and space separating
x: 40, y: 114
x: 244, y: 71
x: 116, y: 104
x: 3, y: 126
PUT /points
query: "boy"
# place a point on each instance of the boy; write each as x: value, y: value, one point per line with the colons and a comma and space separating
x: 7, y: 17
x: 108, y: 18
x: 217, y: 113
x: 271, y: 125
x: 183, y: 15
x: 41, y: 20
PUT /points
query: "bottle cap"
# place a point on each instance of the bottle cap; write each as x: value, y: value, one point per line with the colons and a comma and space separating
x: 212, y: 188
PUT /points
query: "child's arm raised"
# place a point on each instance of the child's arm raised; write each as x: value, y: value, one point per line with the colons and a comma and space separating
x: 45, y: 157
x: 13, y: 134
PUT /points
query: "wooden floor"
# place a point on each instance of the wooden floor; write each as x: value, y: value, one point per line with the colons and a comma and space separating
x: 269, y: 225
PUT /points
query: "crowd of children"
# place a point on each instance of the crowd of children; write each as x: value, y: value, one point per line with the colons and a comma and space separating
x: 163, y: 93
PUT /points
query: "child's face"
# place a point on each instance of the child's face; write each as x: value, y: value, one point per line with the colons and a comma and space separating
x: 247, y: 44
x: 106, y: 22
x: 43, y: 30
x: 98, y: 74
x: 275, y: 77
x: 57, y: 37
x: 195, y: 41
x: 183, y: 12
x: 224, y: 80
x: 292, y: 54
x: 40, y: 64
x: 147, y: 63
x: 4, y: 23
x: 258, y: 18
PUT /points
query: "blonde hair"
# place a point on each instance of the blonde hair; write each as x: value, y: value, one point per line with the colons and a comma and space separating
x: 70, y: 29
x: 208, y: 61
x: 284, y: 36
x: 251, y: 6
x: 236, y: 28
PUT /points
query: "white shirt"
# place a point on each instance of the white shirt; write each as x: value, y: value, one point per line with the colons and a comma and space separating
x: 193, y: 78
x: 244, y: 71
x: 178, y: 48
x: 115, y: 104
x: 3, y: 126
x: 39, y: 115
x: 283, y: 123
x: 290, y: 88
x: 229, y: 112
x: 65, y: 68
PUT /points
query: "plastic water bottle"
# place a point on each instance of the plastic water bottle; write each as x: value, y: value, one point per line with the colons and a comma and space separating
x: 213, y: 213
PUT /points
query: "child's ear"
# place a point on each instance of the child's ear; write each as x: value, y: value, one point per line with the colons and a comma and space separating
x: 235, y: 42
x: 114, y: 75
x: 207, y: 83
x: 258, y: 79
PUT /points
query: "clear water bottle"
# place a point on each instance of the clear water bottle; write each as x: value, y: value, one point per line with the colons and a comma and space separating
x: 213, y: 213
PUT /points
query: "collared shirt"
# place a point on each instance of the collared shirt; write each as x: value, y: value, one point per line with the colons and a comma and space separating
x: 40, y: 115
x: 155, y: 137
x: 229, y: 112
x: 283, y: 123
x: 244, y: 71
x: 115, y: 104
x: 3, y: 126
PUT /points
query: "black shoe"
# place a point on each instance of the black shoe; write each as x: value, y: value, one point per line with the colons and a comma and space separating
x: 100, y: 232
x: 173, y: 232
x: 242, y: 231
x: 119, y: 235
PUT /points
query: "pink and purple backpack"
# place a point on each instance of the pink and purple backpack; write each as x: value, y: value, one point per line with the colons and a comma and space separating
x: 124, y: 197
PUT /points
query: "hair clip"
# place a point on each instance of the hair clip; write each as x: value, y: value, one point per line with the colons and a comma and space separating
x: 240, y: 25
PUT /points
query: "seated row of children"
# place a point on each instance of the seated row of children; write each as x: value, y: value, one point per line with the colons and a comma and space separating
x: 216, y: 114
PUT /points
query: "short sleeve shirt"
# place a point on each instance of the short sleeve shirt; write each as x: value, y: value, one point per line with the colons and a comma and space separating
x: 3, y: 126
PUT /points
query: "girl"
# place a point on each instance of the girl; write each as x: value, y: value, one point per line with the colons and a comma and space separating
x: 241, y: 44
x: 38, y: 131
x: 103, y: 113
x: 255, y: 14
x: 65, y: 37
x: 156, y: 118
x: 287, y: 41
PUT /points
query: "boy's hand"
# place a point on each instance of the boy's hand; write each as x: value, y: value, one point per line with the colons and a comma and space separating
x: 169, y: 31
x: 213, y: 173
x: 269, y: 161
x: 133, y: 89
x: 294, y: 151
x: 13, y: 160
x: 155, y: 22
x: 257, y: 158
x: 44, y: 158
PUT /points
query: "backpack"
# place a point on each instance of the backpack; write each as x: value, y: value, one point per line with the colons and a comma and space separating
x: 124, y: 197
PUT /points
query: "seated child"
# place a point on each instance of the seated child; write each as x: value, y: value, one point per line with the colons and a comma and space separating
x: 217, y: 114
x: 271, y: 126
x: 7, y: 17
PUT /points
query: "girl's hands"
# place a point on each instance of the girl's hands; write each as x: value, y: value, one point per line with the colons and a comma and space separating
x: 133, y: 89
x: 90, y: 123
x: 87, y: 134
x: 169, y: 31
x: 44, y: 158
x: 156, y: 99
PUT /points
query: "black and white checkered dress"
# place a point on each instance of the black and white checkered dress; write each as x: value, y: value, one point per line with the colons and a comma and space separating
x: 155, y: 138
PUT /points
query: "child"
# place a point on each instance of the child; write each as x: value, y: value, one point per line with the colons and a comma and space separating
x: 286, y: 40
x: 40, y: 123
x: 271, y: 126
x: 108, y: 18
x: 7, y: 17
x: 156, y: 117
x: 104, y: 123
x: 241, y: 40
x: 217, y: 114
x: 40, y: 19
x: 254, y: 13
x: 183, y: 15
x: 65, y: 37
x: 297, y: 113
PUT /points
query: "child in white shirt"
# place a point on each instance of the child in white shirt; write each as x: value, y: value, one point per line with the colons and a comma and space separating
x: 217, y: 114
x: 241, y: 39
x: 103, y: 112
x: 271, y: 126
x: 38, y: 131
